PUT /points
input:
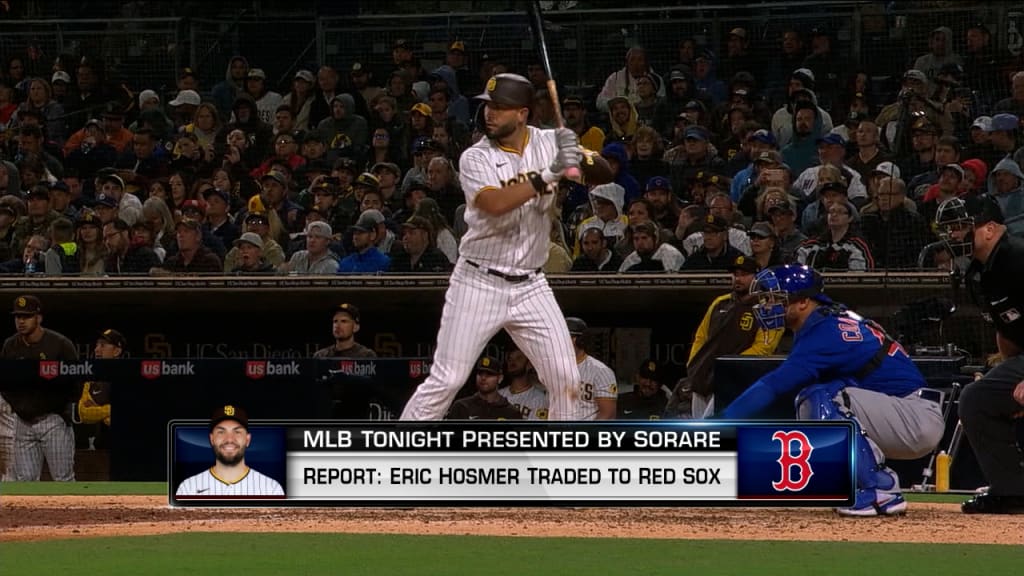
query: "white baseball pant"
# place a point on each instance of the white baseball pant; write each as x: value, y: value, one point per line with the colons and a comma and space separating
x: 7, y: 419
x: 477, y: 305
x: 48, y: 437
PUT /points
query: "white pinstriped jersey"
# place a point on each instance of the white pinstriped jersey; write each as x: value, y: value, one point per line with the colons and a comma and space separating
x: 252, y: 484
x: 532, y: 403
x: 596, y: 381
x: 516, y: 242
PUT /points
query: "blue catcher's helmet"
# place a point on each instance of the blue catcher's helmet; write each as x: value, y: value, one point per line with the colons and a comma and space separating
x: 776, y: 286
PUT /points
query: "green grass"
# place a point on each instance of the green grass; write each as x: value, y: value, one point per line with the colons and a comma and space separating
x: 254, y: 554
x: 84, y: 488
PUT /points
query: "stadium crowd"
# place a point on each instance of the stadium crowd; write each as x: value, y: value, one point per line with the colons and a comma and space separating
x: 780, y: 153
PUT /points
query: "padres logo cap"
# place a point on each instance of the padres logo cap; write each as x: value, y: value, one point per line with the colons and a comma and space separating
x: 349, y: 309
x: 229, y: 412
x: 509, y: 90
x: 488, y: 364
x: 745, y: 264
x: 649, y: 369
x: 27, y: 306
x: 114, y: 338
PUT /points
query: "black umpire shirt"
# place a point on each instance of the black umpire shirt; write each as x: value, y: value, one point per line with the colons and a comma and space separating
x: 1001, y: 288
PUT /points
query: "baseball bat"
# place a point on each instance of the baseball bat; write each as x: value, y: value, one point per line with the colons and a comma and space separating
x: 572, y: 172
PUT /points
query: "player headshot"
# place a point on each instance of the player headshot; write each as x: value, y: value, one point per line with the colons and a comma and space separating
x: 229, y: 475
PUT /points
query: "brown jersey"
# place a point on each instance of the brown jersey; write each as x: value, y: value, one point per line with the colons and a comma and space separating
x: 357, y: 350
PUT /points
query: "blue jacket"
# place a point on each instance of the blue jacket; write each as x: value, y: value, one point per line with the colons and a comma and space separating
x: 369, y: 262
x: 831, y: 346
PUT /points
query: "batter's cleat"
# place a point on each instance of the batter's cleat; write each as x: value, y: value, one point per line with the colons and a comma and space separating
x: 872, y: 503
x: 993, y: 504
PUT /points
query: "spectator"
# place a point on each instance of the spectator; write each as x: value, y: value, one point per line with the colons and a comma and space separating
x: 257, y: 136
x: 623, y: 120
x: 113, y: 124
x: 62, y: 256
x: 284, y: 121
x: 650, y: 107
x: 7, y: 219
x: 782, y: 215
x: 1006, y: 184
x: 366, y: 259
x: 226, y: 91
x: 894, y: 234
x: 595, y: 256
x: 1003, y: 139
x: 715, y: 252
x: 317, y: 259
x: 764, y: 246
x: 192, y: 257
x: 828, y: 68
x: 444, y: 186
x: 575, y: 113
x: 123, y: 257
x: 758, y: 143
x: 869, y: 154
x: 91, y: 249
x: 183, y: 108
x: 801, y: 152
x: 300, y: 99
x: 443, y: 235
x: 260, y: 223
x: 1015, y: 103
x: 419, y: 253
x: 145, y: 162
x: 923, y: 145
x: 388, y: 174
x: 947, y: 151
x: 709, y: 87
x: 737, y: 54
x: 647, y: 155
x: 218, y: 220
x: 721, y: 206
x: 982, y: 65
x: 831, y: 152
x: 800, y: 89
x: 664, y: 206
x: 206, y: 123
x: 250, y: 260
x: 831, y: 188
x: 975, y: 178
x: 606, y: 200
x: 141, y: 234
x: 60, y: 200
x: 940, y: 53
x: 91, y: 154
x: 424, y: 150
x: 622, y: 84
x: 156, y: 213
x: 40, y: 100
x: 275, y: 198
x: 266, y: 100
x: 950, y: 184
x: 88, y: 95
x: 559, y: 261
x: 649, y: 253
x: 31, y: 260
x: 37, y: 221
x: 326, y: 89
x: 30, y: 142
x: 838, y: 248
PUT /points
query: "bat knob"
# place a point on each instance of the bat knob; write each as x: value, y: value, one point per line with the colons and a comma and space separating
x: 573, y: 173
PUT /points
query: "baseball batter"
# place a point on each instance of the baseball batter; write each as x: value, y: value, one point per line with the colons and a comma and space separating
x: 509, y: 179
x: 845, y: 367
x: 229, y: 476
x: 598, y: 390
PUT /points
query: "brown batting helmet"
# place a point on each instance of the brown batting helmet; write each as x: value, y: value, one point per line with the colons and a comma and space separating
x: 509, y: 90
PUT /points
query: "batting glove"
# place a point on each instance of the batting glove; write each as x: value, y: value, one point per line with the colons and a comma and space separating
x: 569, y: 154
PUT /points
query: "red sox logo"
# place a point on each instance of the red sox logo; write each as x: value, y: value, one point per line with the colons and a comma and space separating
x: 49, y: 369
x: 796, y: 470
x: 151, y: 369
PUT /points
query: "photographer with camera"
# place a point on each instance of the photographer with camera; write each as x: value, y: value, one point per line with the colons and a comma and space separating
x: 990, y: 406
x: 912, y: 107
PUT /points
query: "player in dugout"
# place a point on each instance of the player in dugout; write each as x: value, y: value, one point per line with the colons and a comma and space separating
x: 845, y: 367
x: 487, y: 403
x: 728, y: 327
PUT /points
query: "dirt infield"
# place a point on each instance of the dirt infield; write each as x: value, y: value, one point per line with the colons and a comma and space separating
x: 52, y: 517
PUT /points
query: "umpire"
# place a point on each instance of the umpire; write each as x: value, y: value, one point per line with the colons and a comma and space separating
x: 988, y: 406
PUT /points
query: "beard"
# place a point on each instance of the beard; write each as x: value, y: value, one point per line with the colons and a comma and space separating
x: 499, y: 132
x: 229, y: 460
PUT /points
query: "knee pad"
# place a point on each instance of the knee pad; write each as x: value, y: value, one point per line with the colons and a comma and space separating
x: 818, y: 403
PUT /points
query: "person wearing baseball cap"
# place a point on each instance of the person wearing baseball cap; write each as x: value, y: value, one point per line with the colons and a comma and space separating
x: 345, y: 319
x: 94, y: 404
x: 487, y: 403
x: 366, y: 258
x: 726, y: 329
x: 229, y: 437
x: 737, y: 56
x: 317, y: 259
x: 650, y: 254
x: 42, y: 406
x: 990, y: 406
x: 647, y: 399
x: 420, y: 253
x: 764, y: 246
x: 715, y: 253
